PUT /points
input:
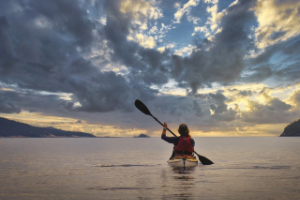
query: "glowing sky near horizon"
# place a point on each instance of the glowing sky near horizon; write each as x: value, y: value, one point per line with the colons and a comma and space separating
x: 225, y: 68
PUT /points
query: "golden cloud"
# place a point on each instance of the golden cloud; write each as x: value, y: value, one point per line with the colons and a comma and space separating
x: 278, y: 21
x: 141, y: 11
x: 140, y: 7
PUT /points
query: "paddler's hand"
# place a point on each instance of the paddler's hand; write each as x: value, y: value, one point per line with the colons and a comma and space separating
x: 165, y: 128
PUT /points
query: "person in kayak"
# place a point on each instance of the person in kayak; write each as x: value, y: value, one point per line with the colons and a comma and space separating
x: 183, y: 145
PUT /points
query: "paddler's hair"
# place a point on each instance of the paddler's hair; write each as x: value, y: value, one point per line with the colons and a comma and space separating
x: 183, y: 130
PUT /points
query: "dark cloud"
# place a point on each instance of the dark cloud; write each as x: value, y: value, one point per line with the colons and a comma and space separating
x: 146, y: 64
x: 107, y: 92
x: 66, y: 18
x: 32, y: 101
x: 6, y: 105
x: 219, y: 105
x: 275, y: 111
x: 53, y: 37
x: 289, y: 73
x: 283, y: 69
x: 197, y: 109
x: 276, y: 35
x: 295, y: 98
x: 292, y: 47
x: 7, y: 57
x: 246, y: 93
x: 220, y: 108
x: 41, y: 41
x: 219, y: 61
x: 258, y: 74
x: 278, y: 105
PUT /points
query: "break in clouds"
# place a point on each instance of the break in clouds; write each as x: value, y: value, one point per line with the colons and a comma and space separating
x: 71, y: 58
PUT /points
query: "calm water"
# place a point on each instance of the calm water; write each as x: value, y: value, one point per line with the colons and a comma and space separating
x: 136, y: 168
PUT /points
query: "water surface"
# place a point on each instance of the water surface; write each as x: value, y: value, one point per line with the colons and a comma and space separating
x: 136, y: 168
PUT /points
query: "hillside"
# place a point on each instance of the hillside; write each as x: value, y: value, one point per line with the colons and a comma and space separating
x: 10, y: 128
x: 292, y: 130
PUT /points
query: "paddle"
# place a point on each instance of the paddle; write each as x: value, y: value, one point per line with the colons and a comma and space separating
x: 143, y: 108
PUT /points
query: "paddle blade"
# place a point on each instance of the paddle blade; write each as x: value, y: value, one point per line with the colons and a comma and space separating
x: 141, y: 106
x: 204, y: 160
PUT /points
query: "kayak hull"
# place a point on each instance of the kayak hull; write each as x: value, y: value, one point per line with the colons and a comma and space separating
x: 183, y: 162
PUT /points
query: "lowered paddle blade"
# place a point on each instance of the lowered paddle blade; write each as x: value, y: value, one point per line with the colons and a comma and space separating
x: 204, y: 160
x: 142, y: 107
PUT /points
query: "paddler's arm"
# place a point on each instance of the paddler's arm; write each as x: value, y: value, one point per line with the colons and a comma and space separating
x: 193, y: 142
x: 164, y: 129
x: 164, y: 137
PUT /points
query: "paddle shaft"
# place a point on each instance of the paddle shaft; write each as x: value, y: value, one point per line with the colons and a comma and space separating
x: 163, y: 125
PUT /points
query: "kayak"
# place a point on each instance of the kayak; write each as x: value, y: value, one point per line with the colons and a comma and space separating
x: 183, y: 162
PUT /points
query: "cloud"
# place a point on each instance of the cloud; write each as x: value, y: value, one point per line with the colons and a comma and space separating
x: 201, y: 29
x: 221, y: 60
x: 28, y: 100
x: 278, y: 21
x: 219, y: 109
x: 103, y: 91
x: 7, y: 57
x: 186, y: 9
x: 185, y: 51
x: 40, y: 54
x: 89, y: 57
x: 277, y: 62
x: 272, y: 110
x: 54, y: 40
x: 7, y: 106
x: 215, y: 16
x: 143, y: 40
x: 147, y: 65
x: 144, y: 64
x: 141, y: 12
x: 140, y: 8
x: 288, y: 73
x: 258, y: 74
x: 295, y: 98
x: 246, y: 93
x: 197, y: 109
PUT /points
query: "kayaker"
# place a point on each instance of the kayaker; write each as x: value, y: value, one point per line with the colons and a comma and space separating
x: 183, y: 145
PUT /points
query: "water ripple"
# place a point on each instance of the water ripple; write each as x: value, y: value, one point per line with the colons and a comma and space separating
x: 125, y: 165
x: 118, y: 188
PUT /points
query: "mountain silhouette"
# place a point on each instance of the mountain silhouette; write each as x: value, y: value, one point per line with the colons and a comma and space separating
x: 292, y: 129
x: 10, y: 128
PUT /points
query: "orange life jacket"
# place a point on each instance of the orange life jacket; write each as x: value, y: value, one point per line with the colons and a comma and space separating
x: 184, y: 146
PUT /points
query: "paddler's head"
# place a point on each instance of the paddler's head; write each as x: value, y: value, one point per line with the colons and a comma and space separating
x: 183, y: 130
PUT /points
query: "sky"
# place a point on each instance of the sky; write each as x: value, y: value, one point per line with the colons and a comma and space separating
x: 225, y: 68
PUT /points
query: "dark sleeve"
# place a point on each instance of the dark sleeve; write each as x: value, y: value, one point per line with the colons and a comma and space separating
x: 172, y: 140
x: 193, y: 142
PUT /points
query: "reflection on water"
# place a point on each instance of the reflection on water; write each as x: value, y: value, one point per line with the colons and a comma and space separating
x: 184, y: 171
x: 181, y: 181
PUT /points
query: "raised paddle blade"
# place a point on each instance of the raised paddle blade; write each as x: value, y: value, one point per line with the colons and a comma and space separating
x: 204, y: 160
x: 141, y: 106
